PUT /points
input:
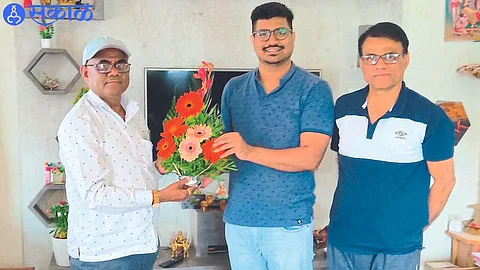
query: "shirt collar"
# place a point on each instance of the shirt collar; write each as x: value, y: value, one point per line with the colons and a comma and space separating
x: 131, y: 107
x: 283, y: 80
x: 398, y: 108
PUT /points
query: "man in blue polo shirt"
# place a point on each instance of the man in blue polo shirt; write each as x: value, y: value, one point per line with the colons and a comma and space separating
x: 390, y: 140
x: 279, y: 120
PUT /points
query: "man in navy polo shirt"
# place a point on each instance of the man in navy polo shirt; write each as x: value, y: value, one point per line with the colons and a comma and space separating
x: 278, y: 119
x: 390, y: 140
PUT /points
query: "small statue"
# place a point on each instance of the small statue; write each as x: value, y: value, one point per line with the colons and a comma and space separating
x: 223, y: 205
x: 66, y: 2
x: 203, y: 205
x: 180, y: 244
x: 207, y: 202
x: 221, y: 191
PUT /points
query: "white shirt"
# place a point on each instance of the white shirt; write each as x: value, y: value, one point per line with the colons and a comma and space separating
x: 110, y: 175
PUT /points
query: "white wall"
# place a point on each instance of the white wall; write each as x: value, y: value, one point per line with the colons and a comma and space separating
x: 10, y: 199
x: 432, y: 72
x: 183, y: 33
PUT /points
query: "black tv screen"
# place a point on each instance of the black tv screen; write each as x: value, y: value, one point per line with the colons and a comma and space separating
x: 162, y: 84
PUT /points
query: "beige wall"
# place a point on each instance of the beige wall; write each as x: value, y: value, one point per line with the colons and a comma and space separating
x: 11, y: 253
x: 432, y: 72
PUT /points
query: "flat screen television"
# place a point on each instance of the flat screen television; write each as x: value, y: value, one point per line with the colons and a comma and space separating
x: 162, y: 84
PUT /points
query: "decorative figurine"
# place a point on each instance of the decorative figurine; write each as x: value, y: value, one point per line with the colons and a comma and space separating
x: 207, y: 202
x: 180, y: 244
x: 223, y: 205
x: 203, y: 205
x: 50, y: 83
x: 66, y: 2
x: 221, y: 191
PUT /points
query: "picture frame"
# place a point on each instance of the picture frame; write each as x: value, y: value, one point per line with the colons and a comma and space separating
x: 462, y: 20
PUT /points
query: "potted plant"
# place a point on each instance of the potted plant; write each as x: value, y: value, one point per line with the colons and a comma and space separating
x: 46, y: 32
x: 59, y: 212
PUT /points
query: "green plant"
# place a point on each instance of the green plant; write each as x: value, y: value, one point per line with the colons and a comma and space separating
x: 60, y: 218
x: 46, y: 32
x: 83, y: 91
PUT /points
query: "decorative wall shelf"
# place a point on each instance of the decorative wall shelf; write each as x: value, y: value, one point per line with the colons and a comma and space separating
x: 46, y: 197
x: 53, y: 63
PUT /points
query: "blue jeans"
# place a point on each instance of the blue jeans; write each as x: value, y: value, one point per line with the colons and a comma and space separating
x: 132, y: 262
x: 341, y: 260
x: 270, y: 248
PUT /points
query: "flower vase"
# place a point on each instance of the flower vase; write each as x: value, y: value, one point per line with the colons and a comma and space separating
x: 46, y: 43
x: 60, y: 251
x: 58, y: 179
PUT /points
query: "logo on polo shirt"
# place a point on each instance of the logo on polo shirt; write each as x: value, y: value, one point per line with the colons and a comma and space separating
x: 400, y: 134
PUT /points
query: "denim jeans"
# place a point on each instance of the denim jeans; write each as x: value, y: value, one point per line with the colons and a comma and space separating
x: 341, y: 260
x: 132, y: 262
x: 270, y: 248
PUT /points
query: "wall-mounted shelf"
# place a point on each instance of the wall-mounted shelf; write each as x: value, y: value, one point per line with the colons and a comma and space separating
x: 53, y: 63
x: 46, y: 197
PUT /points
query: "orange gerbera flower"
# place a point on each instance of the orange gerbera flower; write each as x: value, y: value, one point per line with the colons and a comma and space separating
x: 209, y: 154
x: 165, y: 147
x: 189, y: 104
x: 174, y: 127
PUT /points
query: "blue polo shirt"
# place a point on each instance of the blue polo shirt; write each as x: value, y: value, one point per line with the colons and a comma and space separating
x: 381, y: 201
x: 260, y: 196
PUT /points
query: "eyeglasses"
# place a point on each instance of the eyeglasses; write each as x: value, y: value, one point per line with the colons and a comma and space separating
x: 105, y: 67
x: 279, y: 33
x: 388, y: 58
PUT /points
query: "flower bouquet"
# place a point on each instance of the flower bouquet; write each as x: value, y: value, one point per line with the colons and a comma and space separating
x: 190, y: 127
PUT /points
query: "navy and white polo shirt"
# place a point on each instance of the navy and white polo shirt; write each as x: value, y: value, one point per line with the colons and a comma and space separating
x: 381, y: 201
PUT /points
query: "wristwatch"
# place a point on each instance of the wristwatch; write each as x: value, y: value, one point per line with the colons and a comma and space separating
x: 156, y: 198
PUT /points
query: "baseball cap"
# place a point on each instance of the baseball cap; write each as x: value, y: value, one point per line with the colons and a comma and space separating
x: 101, y: 43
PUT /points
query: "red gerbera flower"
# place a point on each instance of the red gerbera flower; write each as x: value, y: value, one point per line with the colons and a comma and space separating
x: 165, y: 147
x: 209, y: 154
x: 189, y: 104
x: 174, y: 127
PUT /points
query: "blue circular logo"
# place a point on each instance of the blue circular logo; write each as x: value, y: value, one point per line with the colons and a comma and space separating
x: 13, y: 14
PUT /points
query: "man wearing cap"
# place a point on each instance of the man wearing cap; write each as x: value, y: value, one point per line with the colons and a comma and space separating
x: 111, y: 177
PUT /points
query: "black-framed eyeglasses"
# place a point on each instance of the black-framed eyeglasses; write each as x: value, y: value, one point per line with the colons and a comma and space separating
x: 105, y: 67
x: 388, y: 58
x: 280, y: 33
